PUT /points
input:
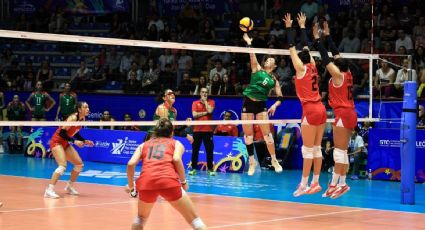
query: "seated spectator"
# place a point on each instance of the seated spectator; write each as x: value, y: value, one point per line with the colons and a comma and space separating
x: 202, y: 83
x: 150, y: 83
x: 167, y: 78
x: 28, y: 81
x: 227, y: 88
x: 12, y: 76
x: 113, y: 61
x: 215, y: 85
x: 350, y: 43
x: 45, y: 75
x: 226, y: 130
x: 187, y: 86
x: 207, y: 33
x: 106, y: 116
x: 98, y: 76
x: 402, y: 76
x: 135, y: 69
x: 420, y: 124
x: 218, y: 69
x: 403, y: 40
x: 132, y: 85
x: 419, y: 58
x: 81, y: 77
x: 383, y: 82
x: 15, y: 112
x: 356, y: 152
x: 127, y: 117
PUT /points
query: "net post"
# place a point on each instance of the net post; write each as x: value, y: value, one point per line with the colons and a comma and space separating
x: 408, y: 143
x: 370, y: 85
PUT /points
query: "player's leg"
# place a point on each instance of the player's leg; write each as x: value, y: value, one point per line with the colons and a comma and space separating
x: 60, y: 158
x: 268, y: 138
x: 249, y: 141
x: 75, y: 159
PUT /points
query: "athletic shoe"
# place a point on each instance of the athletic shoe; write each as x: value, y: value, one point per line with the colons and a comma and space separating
x: 252, y: 166
x: 301, y: 190
x: 211, y: 173
x: 192, y: 172
x: 277, y: 167
x: 329, y: 191
x: 314, y: 188
x: 50, y: 193
x: 341, y: 190
x: 71, y: 190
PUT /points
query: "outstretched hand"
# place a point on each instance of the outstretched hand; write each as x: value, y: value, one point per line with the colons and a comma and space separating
x: 288, y: 21
x: 301, y: 18
x: 326, y: 28
x: 316, y: 33
x: 247, y: 39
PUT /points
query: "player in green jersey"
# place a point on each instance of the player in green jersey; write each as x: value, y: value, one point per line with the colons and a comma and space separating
x: 67, y: 103
x: 39, y: 102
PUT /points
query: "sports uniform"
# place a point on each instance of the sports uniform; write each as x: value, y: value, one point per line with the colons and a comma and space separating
x: 257, y: 92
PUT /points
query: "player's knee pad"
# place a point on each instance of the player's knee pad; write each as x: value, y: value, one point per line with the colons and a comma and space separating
x: 317, y: 152
x: 269, y: 139
x: 197, y: 223
x: 307, y: 152
x: 139, y: 222
x: 340, y: 155
x: 78, y: 168
x: 248, y: 139
x: 60, y: 170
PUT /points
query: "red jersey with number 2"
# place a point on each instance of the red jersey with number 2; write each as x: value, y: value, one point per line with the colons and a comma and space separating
x: 158, y: 170
x: 341, y: 96
x: 307, y: 86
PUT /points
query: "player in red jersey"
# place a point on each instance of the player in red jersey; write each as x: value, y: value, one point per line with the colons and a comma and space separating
x: 162, y: 175
x: 341, y: 101
x: 314, y: 112
x: 63, y: 151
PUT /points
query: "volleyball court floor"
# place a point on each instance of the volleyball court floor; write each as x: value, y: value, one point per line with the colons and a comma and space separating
x: 226, y: 201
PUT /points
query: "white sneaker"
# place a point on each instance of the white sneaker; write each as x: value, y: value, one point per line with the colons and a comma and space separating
x: 252, y: 166
x: 71, y: 190
x: 1, y: 151
x: 277, y: 167
x: 50, y: 193
x: 301, y: 190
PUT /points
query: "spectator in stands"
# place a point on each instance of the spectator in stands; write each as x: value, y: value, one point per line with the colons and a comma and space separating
x: 328, y: 159
x: 157, y: 22
x: 405, y: 19
x: 106, y: 116
x: 226, y: 130
x: 152, y: 34
x: 402, y: 76
x: 202, y: 83
x: 15, y: 112
x: 13, y: 76
x: 39, y: 103
x: 67, y: 103
x: 135, y: 69
x: 388, y: 32
x: 97, y: 77
x: 310, y: 8
x: 257, y: 40
x: 225, y: 58
x: 364, y: 132
x: 350, y: 43
x: 186, y: 87
x: 384, y: 81
x: 207, y: 32
x: 356, y: 152
x: 113, y: 61
x: 218, y: 69
x: 132, y: 85
x: 166, y: 58
x: 150, y: 83
x: 23, y: 24
x: 58, y: 22
x: 403, y: 40
x: 227, y: 88
x: 420, y: 124
x: 421, y: 87
x: 419, y: 58
x: 418, y: 34
x: 127, y: 117
x: 167, y: 78
x: 28, y: 81
x: 45, y: 75
x: 284, y: 74
x: 184, y: 65
x: 126, y: 60
x: 215, y: 85
x: 81, y: 77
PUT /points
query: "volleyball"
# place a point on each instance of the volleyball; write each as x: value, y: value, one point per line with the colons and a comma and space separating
x: 246, y: 24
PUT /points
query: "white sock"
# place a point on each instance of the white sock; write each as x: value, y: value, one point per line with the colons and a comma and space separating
x: 335, y: 178
x: 50, y: 187
x: 197, y: 223
x: 315, y: 178
x: 304, y: 181
x: 342, y: 180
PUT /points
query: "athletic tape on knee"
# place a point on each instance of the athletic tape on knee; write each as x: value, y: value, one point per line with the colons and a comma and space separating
x: 248, y: 139
x: 60, y: 170
x: 197, y: 223
x: 139, y: 221
x: 339, y: 155
x: 317, y: 152
x: 78, y: 168
x: 307, y: 152
x: 269, y: 139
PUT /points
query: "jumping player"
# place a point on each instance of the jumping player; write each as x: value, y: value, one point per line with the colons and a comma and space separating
x: 341, y: 101
x: 254, y: 106
x: 63, y: 151
x: 314, y: 113
x: 162, y: 175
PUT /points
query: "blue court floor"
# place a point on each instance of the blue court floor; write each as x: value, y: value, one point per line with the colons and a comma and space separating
x: 267, y: 185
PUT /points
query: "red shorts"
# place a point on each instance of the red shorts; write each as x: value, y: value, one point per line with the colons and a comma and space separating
x: 314, y: 113
x: 345, y: 117
x: 58, y: 141
x: 169, y: 194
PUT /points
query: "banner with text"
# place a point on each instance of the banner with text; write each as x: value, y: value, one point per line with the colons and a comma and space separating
x: 70, y: 6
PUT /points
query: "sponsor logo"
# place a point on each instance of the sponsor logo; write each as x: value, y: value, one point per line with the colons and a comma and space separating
x: 96, y: 116
x: 420, y: 144
x: 124, y: 146
x: 102, y: 144
x: 390, y: 143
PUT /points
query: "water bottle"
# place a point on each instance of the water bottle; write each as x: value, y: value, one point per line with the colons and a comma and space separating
x: 369, y: 174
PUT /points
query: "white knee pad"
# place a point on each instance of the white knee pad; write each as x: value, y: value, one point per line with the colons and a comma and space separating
x: 60, y: 170
x: 197, y: 223
x: 346, y: 159
x: 317, y: 152
x: 78, y: 168
x: 340, y: 156
x: 248, y: 139
x: 307, y: 152
x: 269, y: 139
x: 139, y: 221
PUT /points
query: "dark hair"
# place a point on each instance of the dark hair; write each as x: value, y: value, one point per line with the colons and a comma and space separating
x: 342, y: 64
x: 304, y: 55
x: 159, y: 98
x: 163, y: 128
